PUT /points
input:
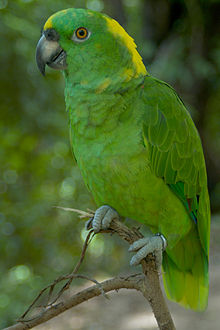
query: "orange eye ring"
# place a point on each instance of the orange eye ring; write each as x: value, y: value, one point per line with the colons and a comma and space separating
x: 81, y: 33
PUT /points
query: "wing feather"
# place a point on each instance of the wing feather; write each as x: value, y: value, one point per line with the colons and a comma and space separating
x: 175, y: 151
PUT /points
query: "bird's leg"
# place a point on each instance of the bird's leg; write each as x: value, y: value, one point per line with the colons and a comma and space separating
x: 154, y: 244
x: 102, y: 218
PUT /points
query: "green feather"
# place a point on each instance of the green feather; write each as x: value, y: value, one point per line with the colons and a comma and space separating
x: 137, y: 147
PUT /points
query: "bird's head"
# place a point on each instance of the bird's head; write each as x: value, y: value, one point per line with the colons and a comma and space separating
x: 86, y: 44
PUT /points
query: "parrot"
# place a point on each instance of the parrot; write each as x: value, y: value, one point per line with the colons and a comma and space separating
x: 136, y: 146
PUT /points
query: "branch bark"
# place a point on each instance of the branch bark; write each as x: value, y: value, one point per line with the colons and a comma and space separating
x: 116, y: 283
x: 148, y: 284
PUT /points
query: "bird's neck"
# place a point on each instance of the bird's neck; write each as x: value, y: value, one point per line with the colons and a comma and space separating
x: 99, y: 103
x: 98, y: 82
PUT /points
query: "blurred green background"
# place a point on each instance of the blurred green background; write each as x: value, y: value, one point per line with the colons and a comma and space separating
x: 179, y: 41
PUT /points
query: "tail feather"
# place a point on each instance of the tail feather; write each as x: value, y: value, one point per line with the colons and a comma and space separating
x: 185, y: 273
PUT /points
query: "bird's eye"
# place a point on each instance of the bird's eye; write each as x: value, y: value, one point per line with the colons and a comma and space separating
x: 81, y: 33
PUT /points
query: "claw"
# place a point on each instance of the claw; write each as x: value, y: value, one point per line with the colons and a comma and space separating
x: 155, y: 244
x: 164, y: 241
x: 88, y: 224
x: 102, y: 218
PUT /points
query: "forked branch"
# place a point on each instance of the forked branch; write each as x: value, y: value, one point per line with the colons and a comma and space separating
x: 147, y: 283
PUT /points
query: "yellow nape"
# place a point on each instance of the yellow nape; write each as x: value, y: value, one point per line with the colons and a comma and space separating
x: 117, y: 30
x: 129, y: 73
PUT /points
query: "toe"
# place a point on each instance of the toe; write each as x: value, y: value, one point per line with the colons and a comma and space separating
x: 141, y: 254
x: 154, y: 244
x: 103, y: 218
x: 158, y: 258
x: 98, y: 217
x: 109, y: 216
x: 139, y: 244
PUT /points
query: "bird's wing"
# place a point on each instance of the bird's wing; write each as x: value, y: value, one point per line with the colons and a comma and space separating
x: 175, y: 151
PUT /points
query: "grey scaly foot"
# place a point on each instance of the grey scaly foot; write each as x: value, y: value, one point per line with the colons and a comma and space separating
x: 155, y: 244
x: 102, y: 218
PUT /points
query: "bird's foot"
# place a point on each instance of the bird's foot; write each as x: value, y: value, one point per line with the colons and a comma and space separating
x: 155, y: 244
x: 102, y: 218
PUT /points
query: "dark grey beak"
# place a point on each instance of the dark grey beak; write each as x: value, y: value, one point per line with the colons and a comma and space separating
x: 49, y: 52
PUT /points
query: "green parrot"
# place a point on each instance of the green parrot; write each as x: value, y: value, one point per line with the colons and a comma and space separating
x: 136, y: 145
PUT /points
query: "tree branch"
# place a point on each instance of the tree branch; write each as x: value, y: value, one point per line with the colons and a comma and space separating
x: 116, y: 283
x: 152, y: 290
x: 149, y: 285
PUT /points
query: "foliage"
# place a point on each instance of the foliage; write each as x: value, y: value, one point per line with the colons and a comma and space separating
x: 179, y: 42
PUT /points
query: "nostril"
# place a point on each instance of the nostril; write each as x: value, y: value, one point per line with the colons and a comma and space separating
x: 51, y: 35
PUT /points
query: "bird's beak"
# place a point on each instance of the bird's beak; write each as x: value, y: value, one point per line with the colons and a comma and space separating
x: 49, y: 52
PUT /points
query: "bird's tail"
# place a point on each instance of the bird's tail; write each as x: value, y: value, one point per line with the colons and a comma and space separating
x: 185, y: 272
